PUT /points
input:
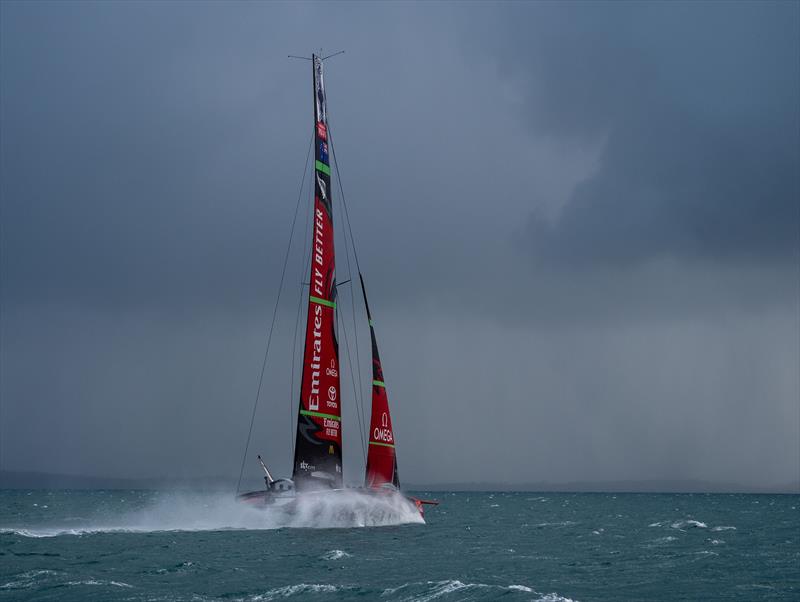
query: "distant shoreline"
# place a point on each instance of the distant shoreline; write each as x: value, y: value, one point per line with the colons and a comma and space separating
x: 41, y: 480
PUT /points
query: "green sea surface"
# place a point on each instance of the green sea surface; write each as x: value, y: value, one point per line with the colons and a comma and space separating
x: 148, y: 545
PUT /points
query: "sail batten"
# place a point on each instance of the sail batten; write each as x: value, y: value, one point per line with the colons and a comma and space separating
x: 318, y: 448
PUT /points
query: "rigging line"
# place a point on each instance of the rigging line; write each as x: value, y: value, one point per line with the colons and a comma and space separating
x: 353, y: 380
x: 305, y: 267
x: 344, y: 202
x: 355, y: 255
x: 357, y: 391
x: 361, y: 411
x: 274, y: 314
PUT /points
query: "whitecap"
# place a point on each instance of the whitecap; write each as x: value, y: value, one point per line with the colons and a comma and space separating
x: 35, y: 533
x: 688, y: 523
x: 520, y: 588
x: 443, y: 588
x: 96, y: 582
x: 26, y: 580
x: 298, y: 589
x: 566, y: 523
x: 335, y: 555
x: 723, y: 528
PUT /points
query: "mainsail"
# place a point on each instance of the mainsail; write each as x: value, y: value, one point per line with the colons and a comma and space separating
x: 381, y: 458
x: 318, y: 448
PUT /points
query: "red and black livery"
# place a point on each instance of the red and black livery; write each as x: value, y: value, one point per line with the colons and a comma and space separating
x: 318, y: 448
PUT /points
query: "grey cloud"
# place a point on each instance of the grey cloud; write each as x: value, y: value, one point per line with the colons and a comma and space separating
x: 577, y: 222
x: 698, y: 110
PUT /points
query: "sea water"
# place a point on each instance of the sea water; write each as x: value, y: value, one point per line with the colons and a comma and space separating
x: 147, y: 545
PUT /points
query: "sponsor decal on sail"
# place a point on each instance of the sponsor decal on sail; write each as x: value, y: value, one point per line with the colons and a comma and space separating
x: 319, y: 91
x: 381, y: 459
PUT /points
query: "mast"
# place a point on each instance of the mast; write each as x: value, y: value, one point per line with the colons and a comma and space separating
x: 381, y: 457
x: 318, y: 448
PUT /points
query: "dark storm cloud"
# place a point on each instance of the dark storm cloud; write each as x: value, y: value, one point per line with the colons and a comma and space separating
x: 698, y: 108
x: 118, y: 130
x: 578, y: 224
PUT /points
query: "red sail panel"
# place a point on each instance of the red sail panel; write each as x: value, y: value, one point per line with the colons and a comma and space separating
x: 381, y: 458
x: 318, y: 448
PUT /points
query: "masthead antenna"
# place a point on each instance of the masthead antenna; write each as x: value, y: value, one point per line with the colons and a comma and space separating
x: 306, y: 58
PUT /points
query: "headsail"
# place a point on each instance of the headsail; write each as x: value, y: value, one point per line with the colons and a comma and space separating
x: 318, y: 448
x: 381, y: 458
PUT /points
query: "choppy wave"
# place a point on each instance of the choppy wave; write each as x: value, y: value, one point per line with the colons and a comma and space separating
x: 335, y: 555
x: 27, y: 580
x: 563, y: 523
x: 215, y: 512
x: 689, y: 523
x: 666, y: 539
x: 300, y: 590
x: 442, y: 590
x: 32, y: 579
x: 521, y: 551
x: 97, y: 582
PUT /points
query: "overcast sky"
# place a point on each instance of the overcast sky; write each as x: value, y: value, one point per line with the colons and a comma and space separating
x: 578, y: 223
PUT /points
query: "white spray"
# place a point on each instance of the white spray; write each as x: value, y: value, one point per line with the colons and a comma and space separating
x: 183, y: 511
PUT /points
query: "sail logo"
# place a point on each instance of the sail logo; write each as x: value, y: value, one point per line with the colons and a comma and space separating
x: 382, y: 434
x: 323, y: 152
x: 313, y: 398
x: 323, y: 190
x: 328, y: 423
x: 320, y: 91
x: 319, y: 247
x: 332, y: 371
x: 331, y: 427
x: 322, y: 131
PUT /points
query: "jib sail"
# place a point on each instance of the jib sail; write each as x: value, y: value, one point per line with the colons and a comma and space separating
x: 318, y: 448
x: 381, y: 458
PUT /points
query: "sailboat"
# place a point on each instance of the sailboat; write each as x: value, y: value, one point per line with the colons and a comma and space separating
x: 318, y: 469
